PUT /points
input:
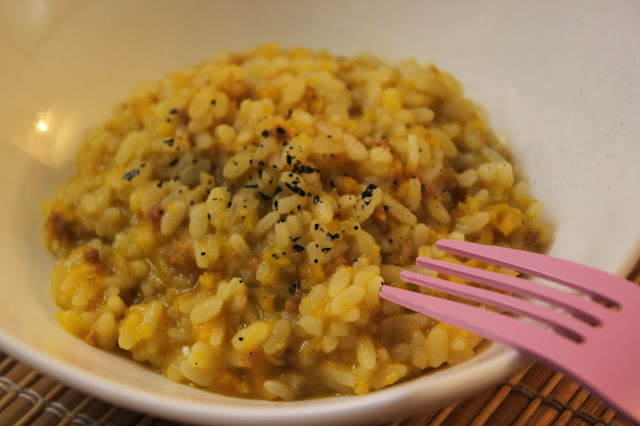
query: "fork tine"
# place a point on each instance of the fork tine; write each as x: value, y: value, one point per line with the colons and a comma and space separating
x: 571, y: 302
x: 544, y: 345
x: 570, y: 325
x: 570, y: 274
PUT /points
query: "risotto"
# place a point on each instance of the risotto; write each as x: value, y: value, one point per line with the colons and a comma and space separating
x: 230, y: 225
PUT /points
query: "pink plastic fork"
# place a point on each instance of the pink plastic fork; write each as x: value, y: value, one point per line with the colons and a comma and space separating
x: 596, y: 345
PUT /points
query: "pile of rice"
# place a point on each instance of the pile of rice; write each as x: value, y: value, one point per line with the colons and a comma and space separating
x: 230, y: 225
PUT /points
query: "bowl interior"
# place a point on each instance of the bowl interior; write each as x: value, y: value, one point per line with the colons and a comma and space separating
x: 566, y: 96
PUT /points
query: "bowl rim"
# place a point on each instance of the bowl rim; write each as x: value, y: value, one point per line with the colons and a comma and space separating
x: 331, y: 410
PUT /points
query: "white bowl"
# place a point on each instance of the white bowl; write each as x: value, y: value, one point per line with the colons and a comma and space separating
x: 559, y: 79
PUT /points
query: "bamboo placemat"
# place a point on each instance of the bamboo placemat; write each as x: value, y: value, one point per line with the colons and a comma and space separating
x: 536, y: 396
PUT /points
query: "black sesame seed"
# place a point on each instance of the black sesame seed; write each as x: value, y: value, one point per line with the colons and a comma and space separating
x: 326, y: 249
x: 169, y: 142
x: 316, y: 199
x: 281, y: 130
x: 356, y: 227
x: 173, y: 111
x: 174, y: 162
x: 203, y: 253
x: 298, y: 248
x: 289, y: 159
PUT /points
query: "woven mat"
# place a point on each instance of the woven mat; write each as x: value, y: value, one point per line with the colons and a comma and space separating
x: 536, y: 396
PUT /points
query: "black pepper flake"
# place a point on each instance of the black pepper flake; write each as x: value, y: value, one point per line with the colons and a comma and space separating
x: 356, y: 227
x: 296, y: 189
x: 261, y: 163
x: 299, y: 207
x: 229, y: 204
x: 315, y: 260
x: 191, y: 202
x: 209, y: 216
x: 173, y: 111
x: 213, y: 102
x: 386, y: 208
x: 265, y: 133
x: 329, y: 136
x: 326, y: 249
x: 241, y: 338
x: 316, y: 199
x: 194, y: 161
x: 332, y: 183
x: 168, y: 120
x: 131, y: 174
x: 142, y: 165
x: 203, y: 253
x: 159, y: 184
x: 395, y: 182
x: 317, y: 226
x: 295, y: 239
x: 281, y: 130
x: 294, y: 287
x: 333, y: 236
x: 174, y: 162
x: 289, y: 159
x: 369, y: 191
x: 275, y: 205
x: 289, y: 113
x: 298, y: 248
x: 390, y: 240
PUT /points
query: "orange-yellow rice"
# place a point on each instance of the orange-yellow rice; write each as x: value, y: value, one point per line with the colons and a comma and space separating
x: 231, y: 224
